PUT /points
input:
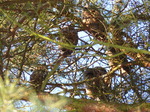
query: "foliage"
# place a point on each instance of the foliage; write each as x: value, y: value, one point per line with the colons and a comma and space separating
x: 31, y: 35
x: 8, y: 94
x: 13, y: 98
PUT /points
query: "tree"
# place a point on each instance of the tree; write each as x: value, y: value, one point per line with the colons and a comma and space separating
x: 112, y: 35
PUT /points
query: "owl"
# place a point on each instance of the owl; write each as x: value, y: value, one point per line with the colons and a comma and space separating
x: 69, y: 36
x: 99, y: 87
x: 94, y: 23
x: 37, y: 77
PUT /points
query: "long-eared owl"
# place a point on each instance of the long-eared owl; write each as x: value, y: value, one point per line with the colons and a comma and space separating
x: 37, y: 77
x: 99, y: 86
x: 94, y: 23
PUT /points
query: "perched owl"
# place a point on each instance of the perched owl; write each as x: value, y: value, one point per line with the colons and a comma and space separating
x: 100, y: 86
x: 121, y: 60
x: 37, y: 77
x: 94, y: 23
x: 70, y: 36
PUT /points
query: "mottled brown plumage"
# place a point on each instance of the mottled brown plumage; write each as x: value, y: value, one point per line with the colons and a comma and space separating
x: 70, y: 36
x: 94, y: 23
x: 37, y: 77
x: 99, y: 87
